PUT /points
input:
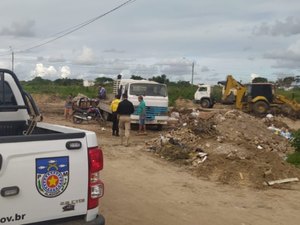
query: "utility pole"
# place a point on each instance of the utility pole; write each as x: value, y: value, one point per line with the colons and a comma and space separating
x: 12, y: 58
x: 193, y: 65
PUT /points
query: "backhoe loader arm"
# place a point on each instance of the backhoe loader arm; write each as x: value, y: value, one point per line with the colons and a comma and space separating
x: 293, y: 104
x: 240, y: 91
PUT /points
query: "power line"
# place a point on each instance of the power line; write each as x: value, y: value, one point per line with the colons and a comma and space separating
x: 72, y: 29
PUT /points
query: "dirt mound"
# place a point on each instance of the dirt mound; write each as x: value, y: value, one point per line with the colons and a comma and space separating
x: 49, y: 103
x: 231, y: 147
x: 184, y: 103
x: 43, y: 98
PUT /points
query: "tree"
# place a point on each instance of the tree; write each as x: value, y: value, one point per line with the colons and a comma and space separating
x: 260, y: 80
x: 68, y: 82
x: 286, y: 81
x: 160, y: 79
x: 183, y: 83
x: 135, y: 77
x: 102, y: 80
x: 39, y: 81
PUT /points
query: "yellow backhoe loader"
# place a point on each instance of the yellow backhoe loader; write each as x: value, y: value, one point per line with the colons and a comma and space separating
x: 260, y: 98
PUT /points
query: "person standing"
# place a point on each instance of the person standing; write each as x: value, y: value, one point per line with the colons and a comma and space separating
x: 141, y: 110
x: 68, y: 107
x: 114, y: 106
x: 125, y: 109
x: 102, y: 92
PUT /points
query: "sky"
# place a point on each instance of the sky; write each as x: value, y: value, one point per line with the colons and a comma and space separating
x: 151, y: 37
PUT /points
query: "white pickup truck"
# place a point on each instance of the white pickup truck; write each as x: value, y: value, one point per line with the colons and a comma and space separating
x: 49, y: 174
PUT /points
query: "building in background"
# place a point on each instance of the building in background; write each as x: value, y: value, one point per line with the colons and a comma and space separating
x: 88, y: 83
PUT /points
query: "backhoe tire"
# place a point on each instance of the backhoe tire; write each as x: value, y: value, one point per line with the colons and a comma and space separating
x: 260, y: 107
x: 205, y: 103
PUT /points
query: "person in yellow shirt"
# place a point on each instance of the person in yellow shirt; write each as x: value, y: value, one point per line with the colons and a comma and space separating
x: 114, y: 106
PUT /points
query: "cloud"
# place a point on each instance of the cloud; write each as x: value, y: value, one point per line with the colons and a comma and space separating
x: 253, y: 76
x: 175, y: 67
x: 4, y: 64
x: 85, y: 57
x: 146, y: 71
x: 56, y: 59
x: 50, y: 72
x: 40, y: 58
x: 44, y: 72
x: 110, y: 67
x: 290, y: 26
x: 112, y: 50
x: 205, y: 69
x: 65, y: 72
x: 285, y: 58
x: 19, y: 29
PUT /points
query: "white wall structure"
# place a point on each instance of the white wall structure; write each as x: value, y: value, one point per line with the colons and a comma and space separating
x: 88, y: 83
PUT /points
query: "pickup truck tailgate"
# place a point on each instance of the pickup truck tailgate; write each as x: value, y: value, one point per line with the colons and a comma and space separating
x: 37, y: 181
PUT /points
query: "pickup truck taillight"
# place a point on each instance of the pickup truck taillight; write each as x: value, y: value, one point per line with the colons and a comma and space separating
x: 96, y: 187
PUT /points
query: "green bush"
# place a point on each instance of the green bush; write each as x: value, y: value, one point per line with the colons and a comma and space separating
x: 291, y: 94
x: 296, y: 140
x: 180, y: 91
x: 294, y: 158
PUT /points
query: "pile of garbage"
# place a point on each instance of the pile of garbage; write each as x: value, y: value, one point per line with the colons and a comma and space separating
x: 228, y: 146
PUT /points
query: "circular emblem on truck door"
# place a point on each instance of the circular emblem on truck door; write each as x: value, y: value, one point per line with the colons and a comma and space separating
x: 52, y: 176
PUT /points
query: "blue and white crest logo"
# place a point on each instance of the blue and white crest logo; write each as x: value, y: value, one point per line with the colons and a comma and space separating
x: 52, y: 176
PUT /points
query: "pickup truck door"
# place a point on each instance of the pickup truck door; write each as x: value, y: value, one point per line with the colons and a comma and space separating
x: 43, y: 177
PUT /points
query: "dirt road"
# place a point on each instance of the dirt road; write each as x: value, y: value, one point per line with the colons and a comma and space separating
x: 141, y: 188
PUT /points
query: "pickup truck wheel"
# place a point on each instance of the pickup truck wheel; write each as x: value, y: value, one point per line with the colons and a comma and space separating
x: 260, y: 107
x: 205, y: 103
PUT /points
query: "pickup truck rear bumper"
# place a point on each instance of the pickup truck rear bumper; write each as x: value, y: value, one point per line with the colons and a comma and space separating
x: 73, y: 221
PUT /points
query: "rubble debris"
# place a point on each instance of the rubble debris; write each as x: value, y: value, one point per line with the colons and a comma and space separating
x: 241, y: 176
x: 224, y: 143
x: 175, y: 115
x: 287, y: 180
x: 284, y: 132
x: 268, y: 172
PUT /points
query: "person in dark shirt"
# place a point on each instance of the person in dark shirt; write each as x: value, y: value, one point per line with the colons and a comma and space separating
x: 125, y: 109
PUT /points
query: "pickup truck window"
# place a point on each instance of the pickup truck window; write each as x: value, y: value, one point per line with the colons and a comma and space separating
x: 6, y: 95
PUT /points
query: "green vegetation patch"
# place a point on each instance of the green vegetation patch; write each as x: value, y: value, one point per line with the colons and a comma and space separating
x: 294, y: 159
x: 296, y: 140
x: 290, y: 94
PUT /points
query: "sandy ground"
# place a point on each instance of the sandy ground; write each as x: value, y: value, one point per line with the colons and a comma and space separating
x: 141, y: 188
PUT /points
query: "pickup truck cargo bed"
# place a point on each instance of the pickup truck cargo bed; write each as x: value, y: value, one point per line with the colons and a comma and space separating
x: 48, y: 173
